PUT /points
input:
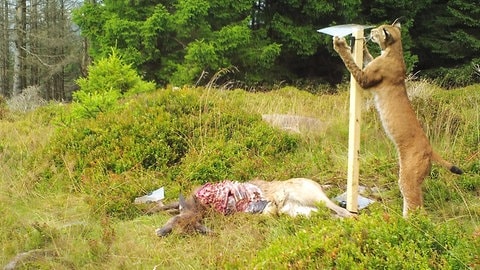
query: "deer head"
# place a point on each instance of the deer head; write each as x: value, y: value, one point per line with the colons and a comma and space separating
x: 189, y: 219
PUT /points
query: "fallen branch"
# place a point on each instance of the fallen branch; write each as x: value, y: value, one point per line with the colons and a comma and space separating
x: 30, y: 255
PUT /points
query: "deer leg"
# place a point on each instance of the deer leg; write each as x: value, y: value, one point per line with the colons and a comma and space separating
x: 168, y: 227
x: 202, y: 228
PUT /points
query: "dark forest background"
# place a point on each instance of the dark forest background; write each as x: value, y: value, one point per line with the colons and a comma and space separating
x: 50, y: 43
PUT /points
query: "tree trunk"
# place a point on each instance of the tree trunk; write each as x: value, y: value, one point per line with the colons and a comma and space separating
x: 4, y: 50
x: 19, y: 48
x: 33, y: 42
x: 60, y: 76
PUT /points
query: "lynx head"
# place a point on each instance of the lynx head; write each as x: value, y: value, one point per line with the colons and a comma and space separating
x: 386, y: 35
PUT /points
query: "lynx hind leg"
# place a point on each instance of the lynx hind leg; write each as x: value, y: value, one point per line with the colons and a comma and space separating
x: 410, y: 182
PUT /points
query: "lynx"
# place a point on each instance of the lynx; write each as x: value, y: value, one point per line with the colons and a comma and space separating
x: 385, y: 77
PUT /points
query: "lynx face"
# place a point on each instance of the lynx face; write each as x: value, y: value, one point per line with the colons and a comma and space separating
x: 386, y: 35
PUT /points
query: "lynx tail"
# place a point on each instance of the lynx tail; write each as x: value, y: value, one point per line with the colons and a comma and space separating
x: 452, y: 168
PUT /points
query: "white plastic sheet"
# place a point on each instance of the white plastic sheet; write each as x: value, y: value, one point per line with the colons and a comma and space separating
x: 153, y: 196
x: 343, y: 29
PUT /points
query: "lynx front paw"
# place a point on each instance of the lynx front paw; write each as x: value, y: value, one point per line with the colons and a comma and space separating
x: 340, y: 44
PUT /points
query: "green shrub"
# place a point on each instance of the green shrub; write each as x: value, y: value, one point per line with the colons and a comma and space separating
x: 108, y: 80
x: 101, y: 153
x: 113, y: 74
x: 90, y: 104
x: 378, y: 241
x: 456, y: 76
x: 234, y: 145
x: 186, y: 137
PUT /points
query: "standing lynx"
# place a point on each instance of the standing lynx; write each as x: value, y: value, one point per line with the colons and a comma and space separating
x: 385, y: 77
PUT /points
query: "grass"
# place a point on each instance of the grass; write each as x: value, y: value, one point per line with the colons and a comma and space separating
x: 50, y: 196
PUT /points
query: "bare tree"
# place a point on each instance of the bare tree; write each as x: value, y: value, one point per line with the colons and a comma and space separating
x: 46, y: 49
x: 33, y: 44
x: 4, y: 49
x: 62, y: 47
x: 19, y: 48
x: 86, y: 59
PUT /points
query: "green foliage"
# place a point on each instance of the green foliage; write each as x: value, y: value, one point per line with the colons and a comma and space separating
x: 178, y: 40
x: 91, y: 19
x: 185, y: 42
x: 173, y: 133
x: 108, y: 80
x: 304, y: 52
x: 181, y: 41
x: 377, y: 241
x: 112, y: 74
x: 90, y: 104
x: 446, y: 40
x: 159, y: 22
x: 455, y: 76
x: 200, y: 55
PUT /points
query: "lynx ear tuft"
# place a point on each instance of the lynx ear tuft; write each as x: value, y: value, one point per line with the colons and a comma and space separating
x: 397, y: 23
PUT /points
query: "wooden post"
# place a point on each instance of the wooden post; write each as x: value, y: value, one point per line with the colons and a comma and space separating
x: 354, y: 127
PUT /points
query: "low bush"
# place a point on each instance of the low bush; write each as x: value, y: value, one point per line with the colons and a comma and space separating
x: 108, y: 80
x: 456, y: 76
x: 377, y: 241
x: 179, y: 135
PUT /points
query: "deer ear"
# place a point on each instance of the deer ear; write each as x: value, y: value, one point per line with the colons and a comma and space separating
x: 182, y: 203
